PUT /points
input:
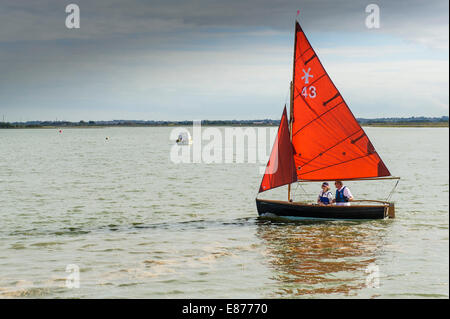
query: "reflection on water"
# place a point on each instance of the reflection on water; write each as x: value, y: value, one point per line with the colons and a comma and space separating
x: 321, y: 258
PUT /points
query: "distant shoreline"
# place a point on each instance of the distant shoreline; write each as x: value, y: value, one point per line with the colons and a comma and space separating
x: 380, y: 122
x: 432, y: 125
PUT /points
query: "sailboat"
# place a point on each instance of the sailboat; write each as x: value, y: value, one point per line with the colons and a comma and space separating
x: 322, y: 141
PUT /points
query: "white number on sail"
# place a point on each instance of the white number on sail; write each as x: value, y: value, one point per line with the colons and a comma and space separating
x: 304, y: 92
x: 312, y: 92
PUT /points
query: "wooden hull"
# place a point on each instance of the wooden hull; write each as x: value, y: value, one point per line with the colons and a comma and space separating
x: 309, y: 211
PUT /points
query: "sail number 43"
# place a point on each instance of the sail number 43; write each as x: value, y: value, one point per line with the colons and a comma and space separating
x: 309, y: 91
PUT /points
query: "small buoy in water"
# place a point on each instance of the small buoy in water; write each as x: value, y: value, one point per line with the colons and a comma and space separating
x: 184, y: 138
x: 107, y: 138
x: 60, y: 131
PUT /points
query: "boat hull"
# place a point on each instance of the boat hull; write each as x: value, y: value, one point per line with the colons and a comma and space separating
x: 309, y: 211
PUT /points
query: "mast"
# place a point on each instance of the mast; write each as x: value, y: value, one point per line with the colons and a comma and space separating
x: 291, y: 104
x: 290, y: 126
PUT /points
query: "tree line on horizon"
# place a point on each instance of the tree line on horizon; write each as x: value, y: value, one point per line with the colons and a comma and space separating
x: 38, y: 124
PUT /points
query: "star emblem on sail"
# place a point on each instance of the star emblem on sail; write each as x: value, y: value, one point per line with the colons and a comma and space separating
x: 306, y: 75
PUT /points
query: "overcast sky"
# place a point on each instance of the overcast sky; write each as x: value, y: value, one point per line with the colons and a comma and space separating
x: 216, y: 59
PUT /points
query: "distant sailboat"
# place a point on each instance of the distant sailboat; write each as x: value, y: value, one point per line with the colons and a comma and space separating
x: 321, y: 142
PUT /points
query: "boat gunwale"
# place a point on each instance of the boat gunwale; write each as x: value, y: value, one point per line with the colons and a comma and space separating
x: 316, y: 205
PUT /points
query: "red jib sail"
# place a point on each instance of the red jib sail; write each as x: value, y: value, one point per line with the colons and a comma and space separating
x: 329, y: 143
x: 280, y: 169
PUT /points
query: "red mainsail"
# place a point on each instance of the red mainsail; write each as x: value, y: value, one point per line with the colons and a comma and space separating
x: 329, y: 143
x: 280, y: 169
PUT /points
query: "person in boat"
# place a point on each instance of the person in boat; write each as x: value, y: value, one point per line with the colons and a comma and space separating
x: 343, y: 194
x: 325, y: 196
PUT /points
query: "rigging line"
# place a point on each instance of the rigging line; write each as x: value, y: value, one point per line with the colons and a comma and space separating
x: 317, y: 118
x: 293, y: 193
x: 353, y: 159
x: 392, y: 191
x: 304, y: 190
x: 321, y: 153
x: 286, y: 98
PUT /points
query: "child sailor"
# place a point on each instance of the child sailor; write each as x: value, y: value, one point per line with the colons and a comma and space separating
x: 325, y: 196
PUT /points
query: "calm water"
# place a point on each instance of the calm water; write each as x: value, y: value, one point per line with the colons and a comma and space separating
x: 140, y: 226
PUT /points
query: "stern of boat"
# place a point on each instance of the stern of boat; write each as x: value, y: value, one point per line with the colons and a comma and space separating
x: 391, y: 210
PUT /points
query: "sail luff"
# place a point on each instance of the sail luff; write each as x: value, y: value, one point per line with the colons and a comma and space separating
x: 291, y: 100
x: 291, y: 114
x: 291, y: 107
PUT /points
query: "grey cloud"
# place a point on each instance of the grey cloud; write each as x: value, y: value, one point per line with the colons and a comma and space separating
x: 416, y: 20
x: 130, y: 54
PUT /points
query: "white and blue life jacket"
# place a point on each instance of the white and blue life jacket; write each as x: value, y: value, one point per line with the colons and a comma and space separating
x: 323, y: 198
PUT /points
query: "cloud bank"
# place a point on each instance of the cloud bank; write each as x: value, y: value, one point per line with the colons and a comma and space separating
x: 215, y: 59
